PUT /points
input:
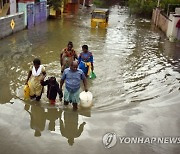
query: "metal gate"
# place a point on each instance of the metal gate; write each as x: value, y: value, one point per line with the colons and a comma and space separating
x: 40, y: 12
x: 30, y: 15
x: 43, y: 10
x: 36, y: 13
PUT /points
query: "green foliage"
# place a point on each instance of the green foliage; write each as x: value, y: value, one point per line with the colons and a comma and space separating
x: 56, y: 4
x: 145, y: 7
x: 98, y: 3
x: 164, y: 4
x: 142, y: 7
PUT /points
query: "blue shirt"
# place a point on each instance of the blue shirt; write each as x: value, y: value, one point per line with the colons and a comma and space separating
x: 85, y: 57
x: 73, y: 79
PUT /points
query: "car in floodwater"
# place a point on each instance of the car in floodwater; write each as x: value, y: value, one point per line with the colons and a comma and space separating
x: 99, y: 18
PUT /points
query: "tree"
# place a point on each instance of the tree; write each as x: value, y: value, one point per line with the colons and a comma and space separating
x: 98, y: 2
x: 56, y: 5
x: 142, y: 7
x: 145, y: 7
x: 169, y: 5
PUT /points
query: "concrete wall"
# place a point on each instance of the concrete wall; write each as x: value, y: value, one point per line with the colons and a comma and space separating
x: 13, y: 7
x: 170, y: 27
x: 163, y: 23
x: 173, y: 31
x: 177, y: 10
x: 167, y: 24
x: 22, y: 7
x: 160, y: 20
x: 5, y: 24
x: 154, y: 16
x: 72, y: 7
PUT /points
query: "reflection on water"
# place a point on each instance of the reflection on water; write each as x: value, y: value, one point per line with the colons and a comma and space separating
x: 69, y: 128
x: 52, y: 115
x: 38, y: 118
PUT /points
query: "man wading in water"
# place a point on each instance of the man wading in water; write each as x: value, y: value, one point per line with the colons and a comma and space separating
x: 72, y: 77
x: 67, y: 55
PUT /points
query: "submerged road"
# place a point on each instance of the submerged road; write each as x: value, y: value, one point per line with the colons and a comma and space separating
x: 136, y: 92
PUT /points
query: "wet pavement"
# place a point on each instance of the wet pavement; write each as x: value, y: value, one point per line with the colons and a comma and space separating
x: 136, y: 92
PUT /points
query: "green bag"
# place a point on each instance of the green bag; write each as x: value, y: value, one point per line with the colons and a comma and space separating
x: 92, y: 75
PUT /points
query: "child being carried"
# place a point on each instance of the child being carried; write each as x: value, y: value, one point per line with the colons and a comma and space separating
x: 52, y: 89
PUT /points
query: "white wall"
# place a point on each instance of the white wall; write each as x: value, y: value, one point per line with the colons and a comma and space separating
x: 170, y: 26
x: 13, y: 6
x: 172, y: 30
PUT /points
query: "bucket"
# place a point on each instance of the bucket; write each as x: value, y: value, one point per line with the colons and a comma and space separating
x: 86, y: 99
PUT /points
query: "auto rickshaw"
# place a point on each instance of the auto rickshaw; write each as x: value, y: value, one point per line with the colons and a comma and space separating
x: 99, y: 18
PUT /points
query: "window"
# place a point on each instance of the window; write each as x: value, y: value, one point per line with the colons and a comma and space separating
x: 98, y: 15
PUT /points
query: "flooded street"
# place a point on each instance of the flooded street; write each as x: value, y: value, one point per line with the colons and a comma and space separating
x: 136, y: 92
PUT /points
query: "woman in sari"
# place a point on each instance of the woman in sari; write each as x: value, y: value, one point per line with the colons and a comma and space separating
x: 36, y: 74
x: 67, y: 56
x: 86, y: 61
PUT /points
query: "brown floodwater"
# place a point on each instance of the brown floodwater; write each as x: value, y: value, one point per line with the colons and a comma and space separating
x: 135, y: 94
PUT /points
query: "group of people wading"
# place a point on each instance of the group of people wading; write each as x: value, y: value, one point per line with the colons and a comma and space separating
x: 74, y: 68
x: 85, y: 59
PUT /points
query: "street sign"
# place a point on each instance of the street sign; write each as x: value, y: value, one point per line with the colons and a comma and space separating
x: 12, y: 24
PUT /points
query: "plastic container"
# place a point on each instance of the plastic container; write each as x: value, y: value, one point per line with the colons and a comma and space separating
x: 26, y: 92
x: 86, y: 99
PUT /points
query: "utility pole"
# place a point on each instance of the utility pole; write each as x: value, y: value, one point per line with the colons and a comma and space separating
x: 158, y: 3
x: 84, y: 1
